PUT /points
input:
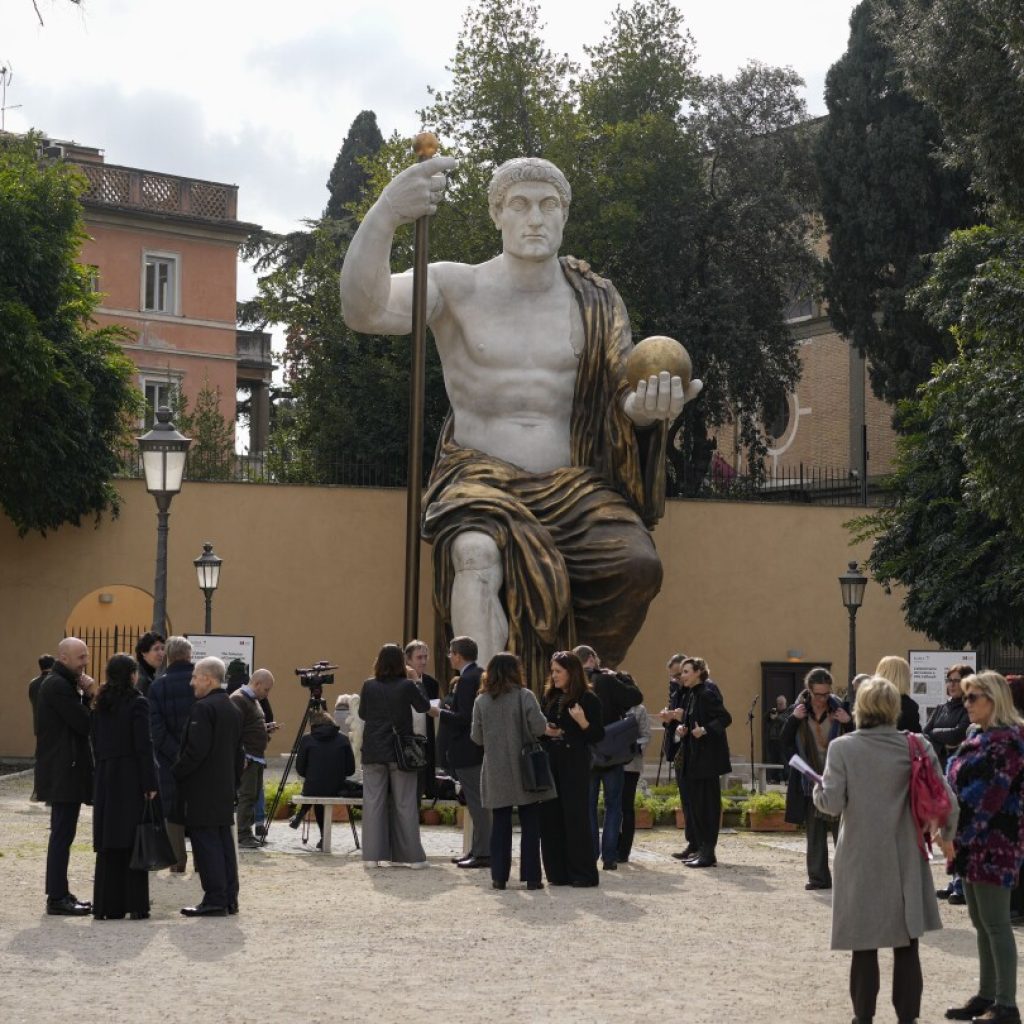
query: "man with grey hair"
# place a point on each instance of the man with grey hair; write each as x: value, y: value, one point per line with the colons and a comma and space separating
x: 170, y: 701
x: 64, y: 767
x: 550, y: 467
x: 208, y: 771
x: 255, y: 736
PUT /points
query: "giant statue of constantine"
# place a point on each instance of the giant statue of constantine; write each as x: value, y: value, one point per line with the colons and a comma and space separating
x: 550, y: 468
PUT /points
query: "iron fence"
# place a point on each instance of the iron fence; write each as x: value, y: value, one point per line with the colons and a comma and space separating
x: 104, y: 643
x: 800, y: 484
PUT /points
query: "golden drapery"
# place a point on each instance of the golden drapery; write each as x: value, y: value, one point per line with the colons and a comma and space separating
x: 574, y: 542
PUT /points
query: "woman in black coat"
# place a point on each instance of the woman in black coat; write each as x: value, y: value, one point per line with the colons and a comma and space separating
x: 417, y: 656
x: 325, y: 760
x: 149, y: 656
x: 574, y: 716
x: 125, y: 783
x: 700, y: 722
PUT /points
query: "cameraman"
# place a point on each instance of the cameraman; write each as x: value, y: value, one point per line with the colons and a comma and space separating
x: 815, y: 720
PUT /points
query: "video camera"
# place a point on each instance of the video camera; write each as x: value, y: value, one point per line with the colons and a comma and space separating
x: 320, y: 674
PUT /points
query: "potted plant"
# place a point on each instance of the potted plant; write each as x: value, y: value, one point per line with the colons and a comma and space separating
x: 430, y: 816
x: 766, y: 813
x: 286, y: 808
x: 644, y: 808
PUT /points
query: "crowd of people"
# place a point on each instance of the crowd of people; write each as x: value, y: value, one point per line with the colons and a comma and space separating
x: 162, y: 738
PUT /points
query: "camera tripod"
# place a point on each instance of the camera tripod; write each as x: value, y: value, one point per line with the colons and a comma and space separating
x: 316, y: 703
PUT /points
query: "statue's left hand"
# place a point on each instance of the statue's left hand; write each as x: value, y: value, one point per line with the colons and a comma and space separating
x: 660, y: 397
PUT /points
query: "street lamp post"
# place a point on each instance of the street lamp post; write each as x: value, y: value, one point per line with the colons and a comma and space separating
x: 208, y: 572
x: 163, y: 462
x: 852, y: 584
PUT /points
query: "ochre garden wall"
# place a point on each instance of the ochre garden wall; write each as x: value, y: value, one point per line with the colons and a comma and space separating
x: 316, y: 572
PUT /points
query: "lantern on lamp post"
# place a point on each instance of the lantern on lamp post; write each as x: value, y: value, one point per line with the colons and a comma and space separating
x: 852, y: 584
x: 163, y: 451
x: 208, y: 573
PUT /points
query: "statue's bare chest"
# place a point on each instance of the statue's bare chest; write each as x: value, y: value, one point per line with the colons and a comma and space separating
x: 501, y: 330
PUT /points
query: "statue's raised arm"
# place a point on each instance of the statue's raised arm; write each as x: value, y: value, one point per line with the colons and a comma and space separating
x: 374, y: 300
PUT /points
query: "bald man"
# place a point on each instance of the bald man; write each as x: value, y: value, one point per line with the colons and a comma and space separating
x: 255, y: 735
x: 64, y: 765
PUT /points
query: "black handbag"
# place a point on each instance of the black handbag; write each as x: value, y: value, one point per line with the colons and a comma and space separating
x: 533, y: 759
x: 618, y: 745
x: 152, y: 850
x: 410, y: 751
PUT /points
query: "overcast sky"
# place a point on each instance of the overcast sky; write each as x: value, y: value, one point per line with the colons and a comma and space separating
x: 260, y: 94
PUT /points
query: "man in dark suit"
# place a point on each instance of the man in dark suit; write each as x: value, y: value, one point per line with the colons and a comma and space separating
x: 465, y: 757
x: 207, y: 772
x: 64, y: 765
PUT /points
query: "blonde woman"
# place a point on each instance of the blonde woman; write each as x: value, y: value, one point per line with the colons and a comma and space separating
x: 987, y: 773
x: 897, y: 671
x: 866, y: 780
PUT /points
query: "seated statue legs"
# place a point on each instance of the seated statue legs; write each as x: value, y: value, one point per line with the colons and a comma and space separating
x: 476, y: 608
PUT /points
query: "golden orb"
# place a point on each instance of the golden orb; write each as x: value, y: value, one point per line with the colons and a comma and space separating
x: 655, y: 355
x: 425, y: 145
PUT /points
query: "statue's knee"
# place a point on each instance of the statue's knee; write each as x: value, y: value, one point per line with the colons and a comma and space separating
x: 646, y: 572
x: 474, y: 551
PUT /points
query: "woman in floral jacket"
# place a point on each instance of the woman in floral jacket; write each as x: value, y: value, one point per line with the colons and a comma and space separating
x: 987, y: 774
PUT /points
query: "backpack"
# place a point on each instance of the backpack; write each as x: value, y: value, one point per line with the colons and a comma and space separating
x: 929, y: 798
x: 618, y: 745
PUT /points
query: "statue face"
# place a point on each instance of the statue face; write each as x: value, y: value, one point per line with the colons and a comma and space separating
x: 531, y: 220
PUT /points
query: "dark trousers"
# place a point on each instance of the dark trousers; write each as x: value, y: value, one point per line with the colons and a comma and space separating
x: 63, y: 826
x: 116, y: 889
x: 704, y: 807
x: 248, y: 795
x: 689, y: 831
x: 213, y: 851
x: 529, y: 843
x: 606, y: 846
x: 906, y: 982
x: 566, y: 846
x: 629, y: 783
x: 818, y: 831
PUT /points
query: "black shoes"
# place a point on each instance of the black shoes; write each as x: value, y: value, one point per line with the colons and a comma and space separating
x: 461, y: 857
x: 690, y: 851
x: 942, y: 894
x: 810, y: 886
x: 998, y: 1014
x: 296, y: 819
x: 974, y: 1006
x: 202, y: 910
x: 534, y: 885
x: 610, y: 865
x: 957, y: 899
x: 68, y: 906
x: 704, y: 860
x: 497, y: 885
x: 474, y: 862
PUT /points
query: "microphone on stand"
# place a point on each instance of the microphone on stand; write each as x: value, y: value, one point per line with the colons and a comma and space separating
x: 750, y: 713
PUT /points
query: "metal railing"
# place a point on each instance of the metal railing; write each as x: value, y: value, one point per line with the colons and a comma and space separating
x: 801, y: 485
x: 104, y: 643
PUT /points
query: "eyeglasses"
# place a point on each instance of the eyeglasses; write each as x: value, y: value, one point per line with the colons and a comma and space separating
x: 970, y: 698
x: 952, y: 679
x: 821, y: 693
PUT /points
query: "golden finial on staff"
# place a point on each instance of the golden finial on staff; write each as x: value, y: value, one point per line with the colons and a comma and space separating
x: 425, y: 145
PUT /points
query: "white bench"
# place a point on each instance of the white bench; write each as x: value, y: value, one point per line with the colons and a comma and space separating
x: 349, y: 801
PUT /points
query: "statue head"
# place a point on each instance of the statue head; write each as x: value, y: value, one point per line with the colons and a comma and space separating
x: 526, y: 168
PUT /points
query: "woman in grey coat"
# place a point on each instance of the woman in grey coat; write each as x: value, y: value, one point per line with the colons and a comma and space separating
x: 505, y: 715
x: 884, y: 895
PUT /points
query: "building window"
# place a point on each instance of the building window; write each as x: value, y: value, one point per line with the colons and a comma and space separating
x: 160, y: 283
x: 777, y: 418
x: 158, y: 392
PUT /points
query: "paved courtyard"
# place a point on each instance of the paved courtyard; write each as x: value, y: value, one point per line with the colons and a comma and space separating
x: 323, y: 939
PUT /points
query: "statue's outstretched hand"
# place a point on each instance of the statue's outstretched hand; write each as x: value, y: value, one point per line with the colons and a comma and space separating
x: 660, y: 397
x: 417, y: 190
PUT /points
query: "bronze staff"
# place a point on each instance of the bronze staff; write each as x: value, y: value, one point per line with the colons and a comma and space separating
x: 425, y: 145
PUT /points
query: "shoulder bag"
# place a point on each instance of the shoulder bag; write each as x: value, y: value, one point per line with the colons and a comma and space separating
x: 533, y: 758
x: 618, y: 745
x: 152, y: 850
x: 929, y: 800
x: 410, y: 749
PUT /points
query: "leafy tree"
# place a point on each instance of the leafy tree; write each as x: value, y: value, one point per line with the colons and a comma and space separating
x: 349, y: 175
x: 211, y: 455
x: 965, y: 58
x: 67, y: 401
x: 887, y: 203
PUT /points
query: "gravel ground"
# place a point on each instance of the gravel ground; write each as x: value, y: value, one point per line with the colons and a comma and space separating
x: 325, y: 939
